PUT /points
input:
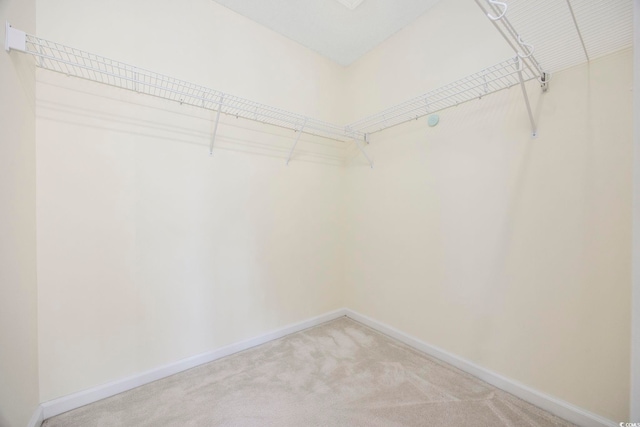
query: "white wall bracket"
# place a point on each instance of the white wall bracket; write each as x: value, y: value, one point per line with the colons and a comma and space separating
x: 364, y: 153
x: 534, y: 129
x: 215, y: 127
x: 544, y: 81
x: 14, y: 39
x: 297, y: 139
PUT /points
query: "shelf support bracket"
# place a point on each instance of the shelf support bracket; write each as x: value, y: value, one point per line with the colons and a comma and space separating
x: 534, y: 129
x: 215, y: 127
x: 14, y: 39
x: 297, y: 139
x: 364, y: 153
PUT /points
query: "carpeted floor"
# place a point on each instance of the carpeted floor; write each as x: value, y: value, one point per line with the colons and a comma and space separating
x: 340, y: 373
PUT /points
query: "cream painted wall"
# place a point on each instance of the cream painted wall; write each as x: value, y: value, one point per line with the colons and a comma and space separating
x: 469, y: 236
x: 149, y: 250
x: 18, y: 288
x: 511, y: 252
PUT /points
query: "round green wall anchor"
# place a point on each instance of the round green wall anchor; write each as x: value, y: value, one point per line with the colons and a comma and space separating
x: 433, y: 120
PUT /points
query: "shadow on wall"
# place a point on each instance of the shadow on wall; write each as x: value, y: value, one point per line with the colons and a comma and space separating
x: 25, y: 68
x: 81, y: 103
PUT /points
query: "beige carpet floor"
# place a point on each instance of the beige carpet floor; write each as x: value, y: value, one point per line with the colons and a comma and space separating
x: 341, y: 373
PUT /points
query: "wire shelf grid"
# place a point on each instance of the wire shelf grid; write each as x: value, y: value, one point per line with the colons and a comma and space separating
x: 75, y: 62
x: 500, y: 76
x: 571, y: 32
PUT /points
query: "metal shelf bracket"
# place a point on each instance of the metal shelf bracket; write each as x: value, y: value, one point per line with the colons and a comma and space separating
x: 364, y: 153
x: 215, y: 127
x: 297, y: 139
x: 534, y: 129
x: 544, y: 82
x: 14, y: 39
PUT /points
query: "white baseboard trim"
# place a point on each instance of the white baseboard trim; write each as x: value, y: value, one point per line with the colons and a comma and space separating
x: 66, y: 403
x: 558, y: 407
x: 37, y: 418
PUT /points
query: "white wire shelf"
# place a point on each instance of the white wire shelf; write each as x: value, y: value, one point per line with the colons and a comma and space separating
x: 77, y: 63
x: 500, y: 76
x: 498, y: 17
x: 571, y: 32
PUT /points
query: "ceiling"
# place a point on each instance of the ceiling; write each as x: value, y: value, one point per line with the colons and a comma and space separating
x: 344, y: 30
x: 331, y: 27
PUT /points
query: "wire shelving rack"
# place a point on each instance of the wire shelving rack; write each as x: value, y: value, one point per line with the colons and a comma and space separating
x: 500, y: 76
x: 595, y: 38
x: 77, y: 63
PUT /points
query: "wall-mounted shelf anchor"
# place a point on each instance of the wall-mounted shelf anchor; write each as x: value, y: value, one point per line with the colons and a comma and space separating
x: 534, y: 129
x: 544, y: 81
x: 14, y: 39
x: 297, y: 139
x: 215, y: 127
x: 364, y: 153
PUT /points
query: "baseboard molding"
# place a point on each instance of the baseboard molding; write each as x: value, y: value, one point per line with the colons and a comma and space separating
x: 558, y: 407
x: 66, y: 403
x: 37, y: 418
